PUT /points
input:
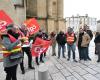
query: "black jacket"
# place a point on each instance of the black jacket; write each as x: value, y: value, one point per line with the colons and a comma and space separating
x: 61, y: 39
x: 89, y: 32
x: 97, y: 39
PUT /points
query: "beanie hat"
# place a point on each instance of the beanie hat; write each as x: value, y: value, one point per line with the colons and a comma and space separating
x: 10, y: 26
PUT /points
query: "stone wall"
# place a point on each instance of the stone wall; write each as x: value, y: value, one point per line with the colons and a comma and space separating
x: 8, y: 7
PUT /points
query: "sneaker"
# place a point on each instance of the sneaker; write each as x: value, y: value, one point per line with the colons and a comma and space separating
x: 64, y: 57
x: 42, y: 61
x: 68, y: 59
x: 23, y: 72
x: 98, y: 60
x: 75, y: 60
x: 31, y: 68
x: 37, y: 63
x: 58, y: 57
x: 89, y: 59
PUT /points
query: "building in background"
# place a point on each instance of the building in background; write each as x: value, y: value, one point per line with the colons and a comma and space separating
x: 98, y: 26
x: 49, y: 14
x: 76, y: 22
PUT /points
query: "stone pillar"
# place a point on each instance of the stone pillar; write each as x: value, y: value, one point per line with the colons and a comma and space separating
x: 43, y: 72
x: 60, y: 8
x: 21, y: 13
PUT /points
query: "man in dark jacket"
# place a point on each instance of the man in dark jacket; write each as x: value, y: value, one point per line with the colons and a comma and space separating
x: 97, y: 42
x: 61, y: 40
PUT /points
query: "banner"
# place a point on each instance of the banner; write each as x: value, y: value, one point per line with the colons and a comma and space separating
x: 4, y: 20
x: 40, y: 46
x: 32, y: 25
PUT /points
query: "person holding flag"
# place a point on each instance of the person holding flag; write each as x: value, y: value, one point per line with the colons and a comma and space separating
x: 26, y: 48
x: 11, y: 49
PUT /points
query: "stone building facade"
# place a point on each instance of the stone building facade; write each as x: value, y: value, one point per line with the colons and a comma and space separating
x: 49, y: 13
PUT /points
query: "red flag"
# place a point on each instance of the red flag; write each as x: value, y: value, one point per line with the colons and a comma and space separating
x: 4, y: 20
x: 40, y: 46
x: 32, y: 25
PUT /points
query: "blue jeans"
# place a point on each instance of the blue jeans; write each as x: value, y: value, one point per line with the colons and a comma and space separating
x: 71, y: 47
x: 84, y: 53
x: 59, y: 49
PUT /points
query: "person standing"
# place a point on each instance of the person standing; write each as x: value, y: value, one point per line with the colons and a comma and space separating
x: 84, y: 45
x: 97, y: 42
x: 53, y: 42
x: 71, y: 39
x: 39, y: 34
x: 80, y: 48
x: 12, y: 53
x: 26, y: 48
x: 89, y: 32
x: 61, y: 40
x: 44, y: 37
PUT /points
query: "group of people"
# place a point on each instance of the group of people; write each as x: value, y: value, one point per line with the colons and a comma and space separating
x: 82, y: 40
x: 17, y: 41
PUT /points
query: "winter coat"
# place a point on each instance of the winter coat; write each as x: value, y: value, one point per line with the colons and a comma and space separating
x: 85, y: 40
x: 9, y: 45
x: 61, y: 39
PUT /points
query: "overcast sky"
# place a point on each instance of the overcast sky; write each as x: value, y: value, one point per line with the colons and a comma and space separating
x: 82, y: 7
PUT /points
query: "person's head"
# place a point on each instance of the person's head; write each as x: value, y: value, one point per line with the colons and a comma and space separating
x: 23, y: 27
x: 12, y: 30
x: 52, y: 34
x: 61, y: 32
x: 81, y: 30
x: 86, y: 27
x: 70, y: 30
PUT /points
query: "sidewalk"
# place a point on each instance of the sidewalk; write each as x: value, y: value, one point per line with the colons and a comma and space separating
x: 61, y: 69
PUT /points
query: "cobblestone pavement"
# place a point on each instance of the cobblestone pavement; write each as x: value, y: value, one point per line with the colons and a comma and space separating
x: 61, y: 69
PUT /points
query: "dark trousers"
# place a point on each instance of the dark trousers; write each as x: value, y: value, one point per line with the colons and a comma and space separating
x: 41, y: 56
x: 81, y: 55
x: 28, y: 53
x: 11, y: 72
x: 59, y: 50
x: 87, y: 49
x: 71, y: 48
x: 85, y: 53
x: 98, y: 51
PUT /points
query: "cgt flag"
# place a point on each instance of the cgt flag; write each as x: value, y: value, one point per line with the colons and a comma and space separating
x: 32, y: 25
x: 4, y: 20
x: 40, y: 46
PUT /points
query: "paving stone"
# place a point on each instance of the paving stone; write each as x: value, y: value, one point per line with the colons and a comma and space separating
x: 65, y: 72
x: 71, y: 78
x: 79, y: 77
x: 79, y: 70
x: 59, y: 66
x: 97, y: 76
x: 58, y: 76
x: 90, y: 77
x: 91, y: 71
